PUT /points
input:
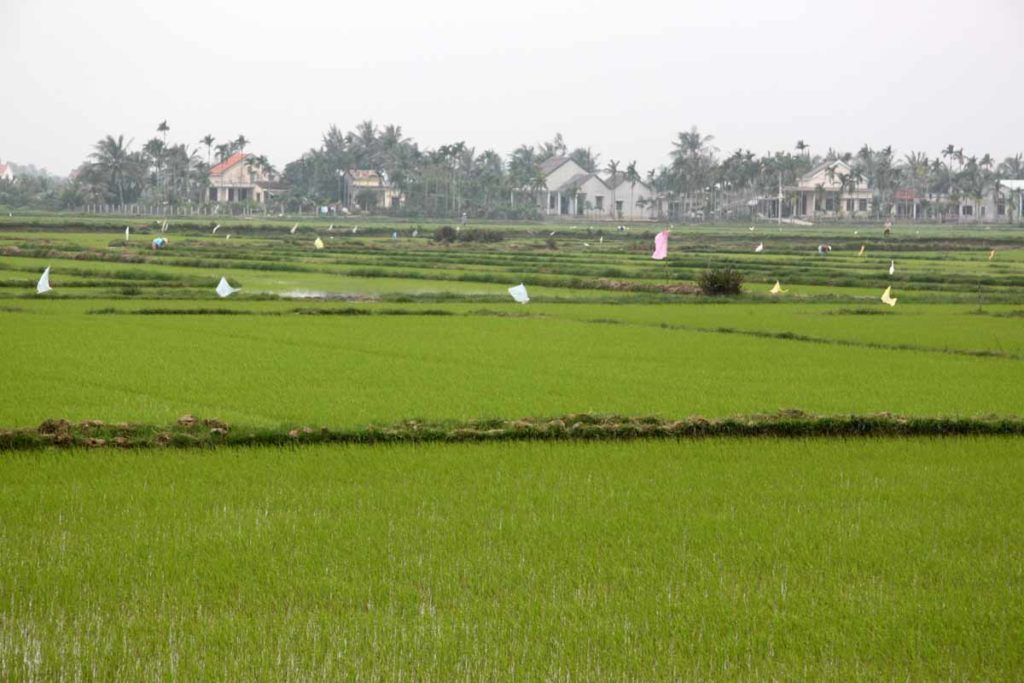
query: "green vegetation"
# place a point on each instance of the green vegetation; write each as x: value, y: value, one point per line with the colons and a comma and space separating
x: 397, y: 472
x: 823, y: 559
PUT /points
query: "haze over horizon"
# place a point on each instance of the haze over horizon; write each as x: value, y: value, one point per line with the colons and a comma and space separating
x: 622, y: 79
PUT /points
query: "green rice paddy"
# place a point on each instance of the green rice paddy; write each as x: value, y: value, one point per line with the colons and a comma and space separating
x: 765, y: 558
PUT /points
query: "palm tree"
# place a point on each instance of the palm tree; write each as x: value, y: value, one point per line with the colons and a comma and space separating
x: 555, y: 148
x: 241, y: 142
x: 586, y: 158
x: 223, y: 151
x: 363, y: 140
x: 802, y: 146
x: 163, y: 128
x: 613, y: 172
x: 692, y: 159
x: 632, y: 177
x: 651, y: 177
x: 157, y: 153
x: 113, y: 161
x: 1012, y: 167
x: 208, y: 141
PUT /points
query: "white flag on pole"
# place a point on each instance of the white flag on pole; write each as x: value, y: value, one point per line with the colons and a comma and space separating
x: 224, y: 289
x: 43, y: 285
x: 519, y: 293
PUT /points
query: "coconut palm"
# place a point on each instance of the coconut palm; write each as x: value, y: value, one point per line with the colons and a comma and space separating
x: 632, y: 177
x: 113, y: 162
x: 692, y: 161
x: 208, y: 141
x: 163, y: 128
x: 241, y: 142
x: 555, y: 148
x: 586, y: 158
x: 802, y: 147
x: 1012, y: 167
x: 613, y: 174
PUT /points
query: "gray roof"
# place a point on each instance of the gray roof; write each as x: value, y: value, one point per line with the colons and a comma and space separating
x: 549, y: 166
x: 614, y: 181
x: 577, y: 180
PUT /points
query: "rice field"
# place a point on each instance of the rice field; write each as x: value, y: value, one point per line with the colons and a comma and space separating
x: 766, y: 559
x: 647, y: 558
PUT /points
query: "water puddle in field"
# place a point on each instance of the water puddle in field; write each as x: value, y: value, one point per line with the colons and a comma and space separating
x: 327, y: 296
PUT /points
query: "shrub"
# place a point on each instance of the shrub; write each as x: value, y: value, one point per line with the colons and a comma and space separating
x: 721, y: 282
x: 445, y: 233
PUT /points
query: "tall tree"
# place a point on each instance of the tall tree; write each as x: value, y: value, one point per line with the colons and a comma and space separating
x: 208, y: 141
x: 632, y: 177
x: 555, y: 148
x: 586, y: 158
x: 113, y: 162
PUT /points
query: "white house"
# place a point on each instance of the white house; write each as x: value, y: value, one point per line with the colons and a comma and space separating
x: 821, y: 191
x: 570, y: 190
x: 632, y: 201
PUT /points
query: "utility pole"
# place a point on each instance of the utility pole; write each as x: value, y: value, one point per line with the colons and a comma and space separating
x: 780, y: 198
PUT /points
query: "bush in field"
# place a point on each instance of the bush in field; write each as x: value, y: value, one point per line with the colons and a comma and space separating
x: 721, y: 282
x: 446, y: 234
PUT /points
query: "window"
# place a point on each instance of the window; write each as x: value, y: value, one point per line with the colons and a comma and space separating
x: 830, y: 204
x: 1001, y: 209
x: 599, y: 202
x: 862, y: 205
x: 849, y: 205
x: 967, y: 210
x: 551, y: 200
x: 983, y: 212
x: 618, y: 205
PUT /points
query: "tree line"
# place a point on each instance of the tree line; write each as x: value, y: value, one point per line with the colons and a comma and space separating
x: 455, y: 178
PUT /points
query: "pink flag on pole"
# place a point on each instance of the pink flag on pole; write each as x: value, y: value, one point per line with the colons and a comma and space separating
x: 660, y: 246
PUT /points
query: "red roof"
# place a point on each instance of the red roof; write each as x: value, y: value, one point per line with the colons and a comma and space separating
x: 3, y: 169
x: 228, y: 163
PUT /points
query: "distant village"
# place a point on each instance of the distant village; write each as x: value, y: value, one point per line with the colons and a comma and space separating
x: 373, y: 170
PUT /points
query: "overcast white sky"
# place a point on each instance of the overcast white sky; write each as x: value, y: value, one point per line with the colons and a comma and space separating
x: 620, y: 77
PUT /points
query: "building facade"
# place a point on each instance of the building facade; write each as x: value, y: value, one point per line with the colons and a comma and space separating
x: 233, y: 181
x: 570, y: 191
x: 369, y: 190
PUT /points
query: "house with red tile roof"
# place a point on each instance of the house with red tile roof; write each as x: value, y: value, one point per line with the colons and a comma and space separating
x: 5, y: 172
x: 233, y: 180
